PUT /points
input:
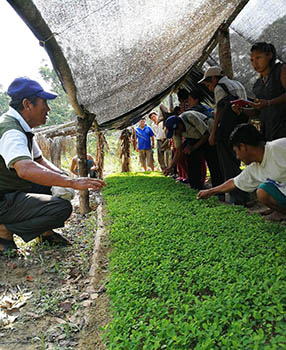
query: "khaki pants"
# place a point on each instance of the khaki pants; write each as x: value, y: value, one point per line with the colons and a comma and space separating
x: 146, y: 156
x: 164, y: 155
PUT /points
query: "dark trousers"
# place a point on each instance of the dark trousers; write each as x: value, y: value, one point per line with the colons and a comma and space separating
x: 230, y: 167
x: 209, y: 153
x: 92, y: 173
x: 28, y: 215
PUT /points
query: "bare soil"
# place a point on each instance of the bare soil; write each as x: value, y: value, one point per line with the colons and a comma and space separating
x: 47, y: 293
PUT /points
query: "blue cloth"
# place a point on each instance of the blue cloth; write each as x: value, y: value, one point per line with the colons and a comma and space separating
x: 144, y: 137
x: 206, y: 110
x: 274, y: 192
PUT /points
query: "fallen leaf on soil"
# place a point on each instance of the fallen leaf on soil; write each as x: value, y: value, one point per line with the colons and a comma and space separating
x: 31, y: 314
x: 60, y: 320
x: 102, y: 289
x: 86, y: 303
x: 83, y: 296
x: 93, y: 296
x: 63, y: 336
x: 29, y: 278
x: 18, y: 304
x: 66, y: 306
x: 11, y: 265
x: 6, y: 303
x: 77, y: 279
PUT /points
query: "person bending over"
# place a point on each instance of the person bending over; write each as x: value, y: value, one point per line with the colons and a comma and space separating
x: 265, y: 171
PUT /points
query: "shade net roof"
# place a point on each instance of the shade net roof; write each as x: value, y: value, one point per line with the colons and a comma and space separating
x: 259, y: 20
x: 124, y: 56
x: 262, y: 20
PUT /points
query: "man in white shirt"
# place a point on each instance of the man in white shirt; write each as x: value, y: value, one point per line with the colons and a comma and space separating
x: 265, y: 171
x: 27, y: 207
x: 163, y: 153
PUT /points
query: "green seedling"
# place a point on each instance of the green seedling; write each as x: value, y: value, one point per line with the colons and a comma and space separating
x: 187, y: 274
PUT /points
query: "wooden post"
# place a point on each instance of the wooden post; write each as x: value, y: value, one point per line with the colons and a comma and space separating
x: 83, y: 125
x: 100, y: 143
x: 224, y: 51
x: 125, y: 140
x: 56, y: 151
x: 171, y: 103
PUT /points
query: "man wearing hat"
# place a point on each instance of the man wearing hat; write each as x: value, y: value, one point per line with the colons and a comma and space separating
x: 224, y: 90
x: 27, y: 207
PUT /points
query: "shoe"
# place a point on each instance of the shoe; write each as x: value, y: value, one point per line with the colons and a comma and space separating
x: 8, y: 245
x: 55, y: 239
x: 185, y: 181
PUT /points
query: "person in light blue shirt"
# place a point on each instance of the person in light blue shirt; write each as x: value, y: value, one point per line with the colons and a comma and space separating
x: 145, y: 145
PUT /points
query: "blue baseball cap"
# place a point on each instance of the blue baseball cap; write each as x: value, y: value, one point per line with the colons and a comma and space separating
x: 171, y: 124
x: 24, y: 87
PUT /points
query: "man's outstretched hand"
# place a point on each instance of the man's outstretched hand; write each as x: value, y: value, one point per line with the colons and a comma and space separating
x: 204, y: 194
x: 85, y: 183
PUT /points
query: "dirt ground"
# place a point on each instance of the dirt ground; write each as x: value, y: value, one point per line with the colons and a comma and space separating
x: 54, y: 298
x: 47, y: 294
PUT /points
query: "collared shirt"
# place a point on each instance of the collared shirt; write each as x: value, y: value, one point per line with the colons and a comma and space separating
x: 196, y: 125
x: 14, y: 144
x: 159, y: 131
x: 271, y: 169
x: 234, y: 87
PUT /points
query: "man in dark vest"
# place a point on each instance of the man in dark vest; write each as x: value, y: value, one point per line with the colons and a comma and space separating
x: 27, y: 207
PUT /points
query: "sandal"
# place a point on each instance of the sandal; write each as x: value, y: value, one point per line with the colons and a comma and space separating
x: 8, y: 245
x: 55, y: 239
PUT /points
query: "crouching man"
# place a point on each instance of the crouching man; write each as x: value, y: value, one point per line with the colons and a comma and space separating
x: 27, y: 208
x: 265, y: 170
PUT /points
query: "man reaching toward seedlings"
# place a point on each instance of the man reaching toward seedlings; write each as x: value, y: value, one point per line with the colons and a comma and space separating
x: 265, y: 171
x: 27, y: 207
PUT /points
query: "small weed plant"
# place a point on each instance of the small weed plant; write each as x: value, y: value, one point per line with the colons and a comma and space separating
x: 189, y: 274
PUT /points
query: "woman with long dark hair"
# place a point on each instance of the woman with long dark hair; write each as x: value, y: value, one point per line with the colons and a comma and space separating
x: 269, y: 90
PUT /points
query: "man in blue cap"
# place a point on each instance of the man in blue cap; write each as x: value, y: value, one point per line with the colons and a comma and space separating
x: 27, y: 207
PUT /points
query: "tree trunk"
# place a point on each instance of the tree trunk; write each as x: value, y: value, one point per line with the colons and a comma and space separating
x: 224, y: 52
x: 83, y: 125
x: 125, y: 139
x: 171, y: 103
x: 100, y: 143
x: 56, y: 151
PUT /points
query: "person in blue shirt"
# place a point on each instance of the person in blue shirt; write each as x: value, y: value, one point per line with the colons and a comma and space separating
x: 145, y: 145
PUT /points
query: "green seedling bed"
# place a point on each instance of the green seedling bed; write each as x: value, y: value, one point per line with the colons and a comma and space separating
x: 189, y: 274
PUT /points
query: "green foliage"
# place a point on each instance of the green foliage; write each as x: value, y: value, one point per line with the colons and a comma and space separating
x: 189, y: 274
x: 4, y: 102
x: 61, y: 109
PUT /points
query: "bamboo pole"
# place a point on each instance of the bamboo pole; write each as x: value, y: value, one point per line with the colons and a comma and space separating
x: 224, y: 51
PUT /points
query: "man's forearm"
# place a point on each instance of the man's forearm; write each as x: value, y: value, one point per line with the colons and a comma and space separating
x: 227, y: 186
x: 176, y: 158
x: 41, y: 174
